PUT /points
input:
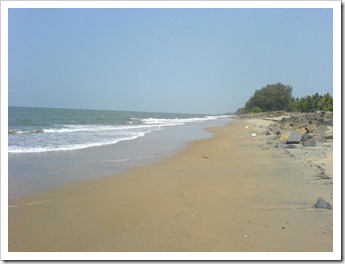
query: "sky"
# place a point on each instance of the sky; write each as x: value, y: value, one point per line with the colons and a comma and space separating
x: 165, y: 60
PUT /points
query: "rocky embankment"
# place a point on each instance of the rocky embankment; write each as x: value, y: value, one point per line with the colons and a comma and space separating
x: 291, y: 130
x: 307, y: 137
x: 266, y: 115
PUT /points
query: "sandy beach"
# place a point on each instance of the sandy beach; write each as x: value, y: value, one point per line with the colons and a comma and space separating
x: 245, y: 196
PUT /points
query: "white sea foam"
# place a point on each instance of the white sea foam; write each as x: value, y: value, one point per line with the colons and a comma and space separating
x: 88, y: 128
x: 67, y: 137
x: 177, y: 121
x: 16, y: 149
x: 37, y: 202
x: 117, y: 160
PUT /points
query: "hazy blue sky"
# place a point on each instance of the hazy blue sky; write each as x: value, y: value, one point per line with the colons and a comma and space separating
x: 169, y: 60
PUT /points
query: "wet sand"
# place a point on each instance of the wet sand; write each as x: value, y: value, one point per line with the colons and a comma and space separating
x: 245, y: 196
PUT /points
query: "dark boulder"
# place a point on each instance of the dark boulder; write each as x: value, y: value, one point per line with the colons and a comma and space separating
x: 294, y: 138
x: 305, y: 137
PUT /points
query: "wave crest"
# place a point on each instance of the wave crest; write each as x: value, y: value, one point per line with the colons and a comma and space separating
x: 18, y: 132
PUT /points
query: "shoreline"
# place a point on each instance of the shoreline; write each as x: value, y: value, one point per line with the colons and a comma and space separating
x: 31, y: 173
x: 245, y: 196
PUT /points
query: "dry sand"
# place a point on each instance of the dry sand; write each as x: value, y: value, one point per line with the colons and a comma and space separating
x: 246, y: 196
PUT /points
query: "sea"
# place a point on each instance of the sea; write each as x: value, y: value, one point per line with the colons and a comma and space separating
x: 50, y: 147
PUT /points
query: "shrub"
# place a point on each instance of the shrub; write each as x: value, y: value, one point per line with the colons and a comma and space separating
x: 256, y: 109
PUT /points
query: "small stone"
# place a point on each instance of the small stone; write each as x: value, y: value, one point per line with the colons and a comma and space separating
x: 265, y: 133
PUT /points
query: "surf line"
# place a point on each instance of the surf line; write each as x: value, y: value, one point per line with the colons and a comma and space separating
x: 38, y: 202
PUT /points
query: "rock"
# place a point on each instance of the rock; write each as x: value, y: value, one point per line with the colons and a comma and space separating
x: 275, y: 137
x: 328, y: 136
x: 302, y: 130
x: 287, y: 126
x: 322, y: 175
x: 285, y: 120
x: 328, y: 121
x: 320, y: 139
x: 266, y: 133
x: 307, y: 128
x: 289, y: 146
x: 305, y: 137
x: 321, y: 203
x: 311, y: 142
x: 275, y: 128
x: 270, y: 142
x: 284, y: 138
x: 300, y: 123
x: 328, y: 115
x: 320, y: 129
x: 280, y: 145
x: 295, y: 137
x: 310, y: 128
x: 328, y: 118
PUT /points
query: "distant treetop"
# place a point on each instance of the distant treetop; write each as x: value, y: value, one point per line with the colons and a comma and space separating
x: 278, y: 97
x: 272, y: 97
x: 314, y: 103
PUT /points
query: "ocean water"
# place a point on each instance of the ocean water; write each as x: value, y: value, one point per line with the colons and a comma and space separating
x: 51, y: 147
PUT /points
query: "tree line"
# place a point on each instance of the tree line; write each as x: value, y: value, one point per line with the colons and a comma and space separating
x: 313, y: 103
x: 278, y: 97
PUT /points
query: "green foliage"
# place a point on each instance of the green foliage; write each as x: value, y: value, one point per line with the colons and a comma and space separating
x: 314, y: 103
x: 273, y: 97
x: 278, y: 97
x: 256, y: 109
x: 240, y: 111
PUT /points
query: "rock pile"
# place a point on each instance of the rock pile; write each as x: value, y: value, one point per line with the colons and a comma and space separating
x: 264, y: 115
x: 307, y: 129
